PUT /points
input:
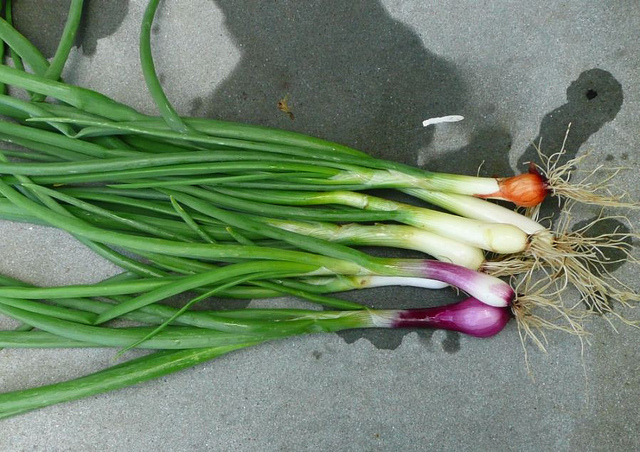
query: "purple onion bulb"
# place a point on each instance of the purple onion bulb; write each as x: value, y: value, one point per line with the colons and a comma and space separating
x: 469, y: 316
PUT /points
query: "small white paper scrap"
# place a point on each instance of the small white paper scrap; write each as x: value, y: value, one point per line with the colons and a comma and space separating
x: 450, y: 118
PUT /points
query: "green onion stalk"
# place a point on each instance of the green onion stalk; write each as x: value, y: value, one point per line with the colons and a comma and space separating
x: 182, y: 347
x: 354, y: 234
x: 337, y: 259
x: 221, y: 327
x: 575, y: 257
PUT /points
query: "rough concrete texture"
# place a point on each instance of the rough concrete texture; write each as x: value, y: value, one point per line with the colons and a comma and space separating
x: 364, y: 73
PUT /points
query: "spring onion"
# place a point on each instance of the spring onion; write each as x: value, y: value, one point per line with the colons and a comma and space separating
x: 199, y: 207
x: 469, y: 316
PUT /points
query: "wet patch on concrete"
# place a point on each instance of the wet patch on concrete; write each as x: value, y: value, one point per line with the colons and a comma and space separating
x: 364, y: 80
x: 593, y: 99
x: 96, y: 26
x: 487, y: 154
x: 42, y: 22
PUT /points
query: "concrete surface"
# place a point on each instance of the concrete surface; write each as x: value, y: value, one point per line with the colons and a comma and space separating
x: 364, y: 73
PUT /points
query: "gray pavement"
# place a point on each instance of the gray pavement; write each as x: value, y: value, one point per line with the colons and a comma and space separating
x: 364, y: 73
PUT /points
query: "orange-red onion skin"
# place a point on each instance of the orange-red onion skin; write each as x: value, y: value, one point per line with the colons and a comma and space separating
x: 525, y: 190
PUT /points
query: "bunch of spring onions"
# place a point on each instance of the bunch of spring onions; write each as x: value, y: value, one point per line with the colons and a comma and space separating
x: 212, y: 208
